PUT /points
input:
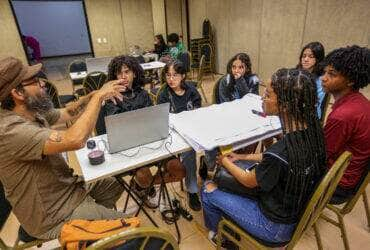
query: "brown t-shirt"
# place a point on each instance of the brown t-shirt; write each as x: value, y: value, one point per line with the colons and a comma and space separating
x: 41, y: 189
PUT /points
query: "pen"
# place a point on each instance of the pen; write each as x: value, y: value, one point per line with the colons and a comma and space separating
x: 262, y: 114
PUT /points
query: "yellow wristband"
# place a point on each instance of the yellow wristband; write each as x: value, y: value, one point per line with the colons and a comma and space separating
x: 226, y: 149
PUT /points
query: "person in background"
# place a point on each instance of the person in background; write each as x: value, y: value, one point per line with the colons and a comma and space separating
x: 287, y: 172
x: 176, y: 47
x: 160, y: 46
x: 38, y: 183
x: 34, y: 44
x: 347, y: 128
x: 182, y: 97
x: 310, y: 59
x: 239, y: 79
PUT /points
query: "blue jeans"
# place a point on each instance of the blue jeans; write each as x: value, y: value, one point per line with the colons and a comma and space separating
x: 189, y: 160
x: 245, y: 212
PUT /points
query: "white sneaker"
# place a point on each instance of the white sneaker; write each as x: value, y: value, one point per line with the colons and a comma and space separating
x: 163, y: 205
x: 212, y: 237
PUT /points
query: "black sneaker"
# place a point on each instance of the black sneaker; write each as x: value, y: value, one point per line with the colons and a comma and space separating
x: 225, y: 243
x: 147, y: 196
x: 194, y: 202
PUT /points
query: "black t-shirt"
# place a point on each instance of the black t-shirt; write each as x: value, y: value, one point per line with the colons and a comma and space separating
x: 137, y: 99
x: 271, y: 176
x: 188, y: 101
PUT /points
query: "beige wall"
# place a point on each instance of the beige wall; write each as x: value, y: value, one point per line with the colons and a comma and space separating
x: 122, y: 22
x: 273, y: 32
x: 138, y: 23
x: 159, y: 17
x: 105, y: 21
x: 10, y: 41
x: 174, y: 12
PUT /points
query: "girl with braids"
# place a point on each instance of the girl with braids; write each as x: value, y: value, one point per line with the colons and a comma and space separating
x: 239, y: 79
x: 182, y: 97
x: 348, y: 125
x: 310, y: 59
x: 284, y: 179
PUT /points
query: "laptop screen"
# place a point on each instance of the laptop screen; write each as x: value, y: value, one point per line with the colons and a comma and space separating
x: 138, y: 127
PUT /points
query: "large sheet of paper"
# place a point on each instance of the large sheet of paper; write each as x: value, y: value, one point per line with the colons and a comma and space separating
x: 224, y: 124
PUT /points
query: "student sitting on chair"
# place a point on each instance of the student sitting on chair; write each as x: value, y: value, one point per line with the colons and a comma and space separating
x: 239, y: 79
x: 160, y: 46
x: 238, y: 82
x: 128, y: 70
x: 276, y: 190
x: 37, y: 181
x: 176, y: 47
x: 348, y: 125
x: 183, y: 96
x: 310, y: 59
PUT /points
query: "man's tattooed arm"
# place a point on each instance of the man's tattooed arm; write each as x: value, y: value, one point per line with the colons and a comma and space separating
x: 73, y: 110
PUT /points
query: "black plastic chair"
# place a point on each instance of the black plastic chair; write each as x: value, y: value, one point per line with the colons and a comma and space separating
x: 5, y: 209
x: 94, y: 81
x: 59, y: 101
x: 185, y: 59
x: 74, y: 67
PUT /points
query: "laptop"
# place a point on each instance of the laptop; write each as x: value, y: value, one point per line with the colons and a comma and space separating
x: 139, y: 127
x: 98, y: 64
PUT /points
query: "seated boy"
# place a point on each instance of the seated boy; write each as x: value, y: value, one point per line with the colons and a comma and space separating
x: 348, y: 125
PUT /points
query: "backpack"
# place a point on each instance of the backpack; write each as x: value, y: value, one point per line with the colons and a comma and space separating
x: 79, y: 234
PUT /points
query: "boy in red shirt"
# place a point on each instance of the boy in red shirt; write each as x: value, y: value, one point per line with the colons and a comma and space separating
x: 348, y: 125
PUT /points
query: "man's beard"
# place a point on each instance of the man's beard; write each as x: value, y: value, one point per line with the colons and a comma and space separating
x: 40, y: 103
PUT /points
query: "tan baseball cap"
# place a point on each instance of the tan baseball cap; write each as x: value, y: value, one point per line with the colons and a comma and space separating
x: 13, y: 72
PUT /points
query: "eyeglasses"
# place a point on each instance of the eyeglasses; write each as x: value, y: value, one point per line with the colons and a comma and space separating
x: 174, y: 76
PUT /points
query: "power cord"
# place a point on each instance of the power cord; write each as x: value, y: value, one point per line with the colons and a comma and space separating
x: 164, y: 142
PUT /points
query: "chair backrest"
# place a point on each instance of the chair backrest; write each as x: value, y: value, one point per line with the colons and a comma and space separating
x: 215, y: 93
x: 77, y: 66
x: 42, y: 75
x: 321, y: 197
x: 138, y: 238
x: 206, y: 50
x: 5, y: 207
x: 185, y: 59
x: 52, y: 91
x: 139, y: 58
x: 347, y: 208
x: 324, y: 107
x: 201, y: 70
x: 160, y: 90
x: 3, y: 246
x: 94, y: 81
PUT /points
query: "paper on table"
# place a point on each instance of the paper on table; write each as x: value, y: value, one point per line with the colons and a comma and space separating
x: 223, y: 124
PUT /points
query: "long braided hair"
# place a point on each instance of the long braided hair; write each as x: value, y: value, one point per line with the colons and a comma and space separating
x: 297, y: 100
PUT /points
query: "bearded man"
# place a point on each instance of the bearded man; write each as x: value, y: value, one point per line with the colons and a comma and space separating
x: 41, y: 188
